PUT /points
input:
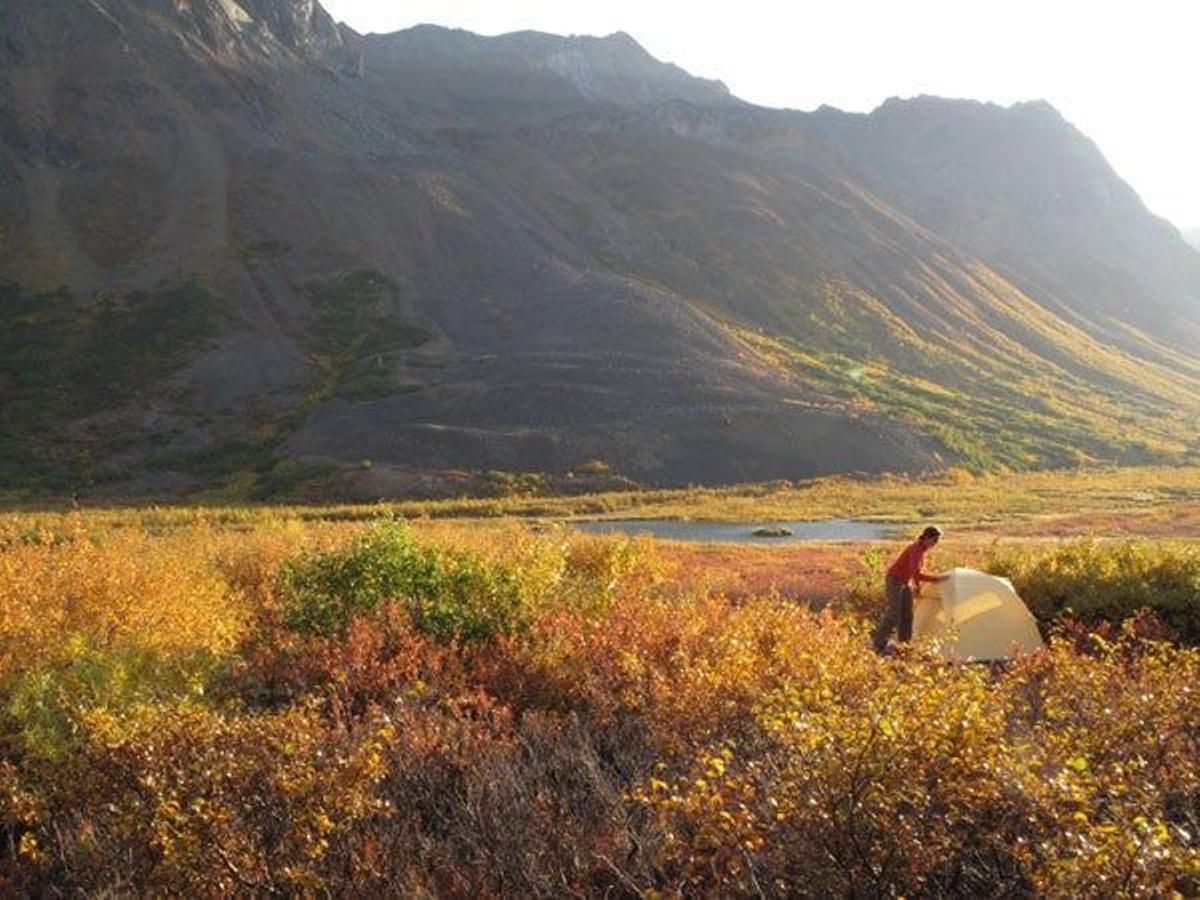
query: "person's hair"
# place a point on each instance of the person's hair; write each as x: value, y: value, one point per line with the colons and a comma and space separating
x: 932, y: 532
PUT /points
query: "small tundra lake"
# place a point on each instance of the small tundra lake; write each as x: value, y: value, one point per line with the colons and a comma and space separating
x: 745, y: 532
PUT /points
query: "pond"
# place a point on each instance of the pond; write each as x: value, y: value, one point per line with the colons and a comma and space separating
x: 744, y: 532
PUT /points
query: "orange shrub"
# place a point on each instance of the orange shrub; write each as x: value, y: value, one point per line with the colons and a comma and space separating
x: 381, y: 660
x: 690, y: 670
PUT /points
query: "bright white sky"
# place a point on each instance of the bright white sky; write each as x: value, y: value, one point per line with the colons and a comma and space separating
x: 1126, y: 72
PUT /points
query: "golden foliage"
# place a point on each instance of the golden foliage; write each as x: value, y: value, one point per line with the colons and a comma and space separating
x: 1066, y: 774
x: 59, y: 590
x: 163, y: 730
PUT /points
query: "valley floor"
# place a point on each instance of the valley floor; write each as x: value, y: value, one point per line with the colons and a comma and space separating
x: 471, y: 698
x: 1136, y: 500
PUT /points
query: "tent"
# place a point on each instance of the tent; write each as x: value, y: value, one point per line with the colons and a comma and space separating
x: 975, y: 616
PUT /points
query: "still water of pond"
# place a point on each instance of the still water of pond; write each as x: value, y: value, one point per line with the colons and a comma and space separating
x: 744, y: 532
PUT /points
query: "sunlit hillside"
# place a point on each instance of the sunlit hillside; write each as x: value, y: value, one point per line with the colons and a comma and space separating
x: 307, y: 262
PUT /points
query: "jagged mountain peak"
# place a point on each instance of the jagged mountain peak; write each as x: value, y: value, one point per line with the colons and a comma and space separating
x: 225, y: 27
x: 611, y: 69
x: 300, y: 24
x: 618, y: 68
x: 933, y: 105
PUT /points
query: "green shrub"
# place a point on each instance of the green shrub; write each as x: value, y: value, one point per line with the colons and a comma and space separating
x: 516, y: 484
x: 43, y: 706
x: 1094, y: 581
x: 63, y: 357
x: 864, y: 582
x: 355, y: 323
x: 451, y: 595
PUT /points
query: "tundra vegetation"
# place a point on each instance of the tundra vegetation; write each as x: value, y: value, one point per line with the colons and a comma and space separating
x: 261, y: 700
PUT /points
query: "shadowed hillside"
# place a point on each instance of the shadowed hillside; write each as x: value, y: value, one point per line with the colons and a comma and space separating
x: 261, y: 251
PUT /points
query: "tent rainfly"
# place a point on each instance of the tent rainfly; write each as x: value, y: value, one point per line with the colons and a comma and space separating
x: 975, y: 616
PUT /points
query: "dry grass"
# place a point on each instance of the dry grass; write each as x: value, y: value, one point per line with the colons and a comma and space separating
x: 1164, y: 499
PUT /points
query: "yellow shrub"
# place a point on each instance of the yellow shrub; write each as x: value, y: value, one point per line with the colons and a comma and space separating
x: 1069, y: 775
x: 187, y: 802
x: 128, y: 588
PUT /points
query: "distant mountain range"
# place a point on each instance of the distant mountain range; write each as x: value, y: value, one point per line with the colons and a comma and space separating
x: 246, y: 250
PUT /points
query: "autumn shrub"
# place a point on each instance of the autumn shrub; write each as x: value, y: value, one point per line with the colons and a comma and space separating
x: 184, y: 801
x: 249, y: 561
x: 273, y: 707
x: 380, y: 659
x: 1111, y: 765
x: 864, y: 583
x: 556, y: 567
x: 598, y: 569
x: 43, y: 707
x: 489, y: 804
x: 105, y: 622
x: 666, y: 673
x: 123, y: 589
x: 912, y: 778
x: 1093, y: 581
x: 451, y: 593
x: 398, y: 777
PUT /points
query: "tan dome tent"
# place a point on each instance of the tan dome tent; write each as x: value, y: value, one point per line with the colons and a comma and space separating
x: 975, y: 616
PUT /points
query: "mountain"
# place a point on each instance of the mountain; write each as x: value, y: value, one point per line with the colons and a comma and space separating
x: 1192, y: 236
x: 245, y: 249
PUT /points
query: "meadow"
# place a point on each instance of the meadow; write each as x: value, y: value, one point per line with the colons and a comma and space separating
x: 411, y: 699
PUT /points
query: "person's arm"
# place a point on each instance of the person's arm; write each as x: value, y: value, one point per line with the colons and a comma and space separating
x: 921, y: 579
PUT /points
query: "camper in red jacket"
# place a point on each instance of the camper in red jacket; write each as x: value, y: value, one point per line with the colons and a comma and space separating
x: 902, y: 576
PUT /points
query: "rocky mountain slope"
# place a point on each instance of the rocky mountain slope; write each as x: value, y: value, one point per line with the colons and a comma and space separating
x: 243, y: 247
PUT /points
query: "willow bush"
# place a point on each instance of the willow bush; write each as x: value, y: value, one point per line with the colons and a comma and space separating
x: 1094, y: 581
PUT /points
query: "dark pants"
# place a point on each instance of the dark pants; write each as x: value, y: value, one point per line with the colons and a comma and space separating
x: 897, y: 612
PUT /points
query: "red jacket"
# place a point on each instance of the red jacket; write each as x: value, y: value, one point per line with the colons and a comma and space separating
x: 907, y: 566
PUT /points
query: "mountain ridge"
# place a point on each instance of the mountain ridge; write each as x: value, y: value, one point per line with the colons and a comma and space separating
x: 380, y: 256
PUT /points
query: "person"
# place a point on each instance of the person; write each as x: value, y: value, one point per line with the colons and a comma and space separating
x: 902, y: 576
